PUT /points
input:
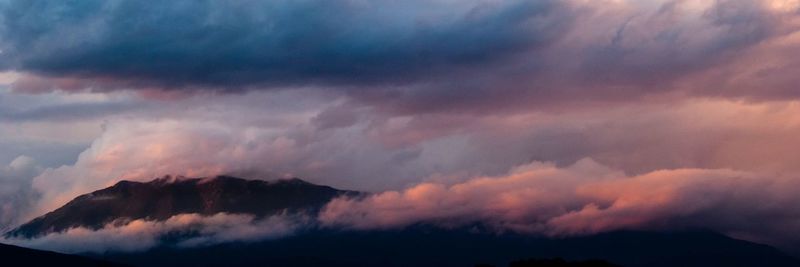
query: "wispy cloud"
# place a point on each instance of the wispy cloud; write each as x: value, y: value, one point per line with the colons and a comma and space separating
x: 184, y: 230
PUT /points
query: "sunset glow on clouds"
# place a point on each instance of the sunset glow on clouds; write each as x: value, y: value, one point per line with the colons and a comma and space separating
x: 586, y: 198
x: 544, y: 117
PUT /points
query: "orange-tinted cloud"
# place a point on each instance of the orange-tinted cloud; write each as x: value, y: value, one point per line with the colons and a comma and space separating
x: 587, y: 198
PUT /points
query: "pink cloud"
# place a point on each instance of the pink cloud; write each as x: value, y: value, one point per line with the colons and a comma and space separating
x: 586, y: 198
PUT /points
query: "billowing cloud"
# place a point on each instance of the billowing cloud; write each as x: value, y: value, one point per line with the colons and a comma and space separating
x: 374, y: 153
x: 694, y: 162
x: 585, y: 198
x: 16, y: 194
x: 184, y: 230
x: 538, y: 198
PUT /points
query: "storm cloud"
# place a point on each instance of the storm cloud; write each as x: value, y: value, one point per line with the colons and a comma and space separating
x: 408, y: 56
x: 228, y: 44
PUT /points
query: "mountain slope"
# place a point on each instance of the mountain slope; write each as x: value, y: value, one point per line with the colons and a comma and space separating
x: 18, y: 256
x: 169, y: 196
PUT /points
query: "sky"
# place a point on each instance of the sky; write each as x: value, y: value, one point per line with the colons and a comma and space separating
x: 545, y: 117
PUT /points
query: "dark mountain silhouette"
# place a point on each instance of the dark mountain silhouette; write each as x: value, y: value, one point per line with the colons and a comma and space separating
x: 18, y: 256
x: 429, y: 247
x: 169, y: 196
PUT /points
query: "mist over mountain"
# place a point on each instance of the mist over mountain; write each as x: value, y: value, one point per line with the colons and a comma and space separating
x: 229, y: 222
x: 163, y: 198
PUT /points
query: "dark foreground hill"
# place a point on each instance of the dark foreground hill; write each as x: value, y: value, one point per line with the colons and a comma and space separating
x: 557, y: 262
x: 169, y: 196
x: 422, y: 247
x: 17, y: 256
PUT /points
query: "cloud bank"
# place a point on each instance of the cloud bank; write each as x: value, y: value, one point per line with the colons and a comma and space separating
x: 587, y: 198
x: 376, y: 153
x: 185, y: 230
x: 538, y: 198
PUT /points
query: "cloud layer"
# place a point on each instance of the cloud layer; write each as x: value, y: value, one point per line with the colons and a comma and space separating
x: 536, y: 198
x: 229, y: 44
x: 587, y: 198
x: 410, y: 56
x: 185, y: 230
x: 376, y: 153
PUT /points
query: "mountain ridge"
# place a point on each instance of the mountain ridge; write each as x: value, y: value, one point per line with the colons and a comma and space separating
x: 162, y: 198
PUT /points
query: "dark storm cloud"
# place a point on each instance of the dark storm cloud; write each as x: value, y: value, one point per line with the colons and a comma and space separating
x: 409, y: 57
x: 230, y: 44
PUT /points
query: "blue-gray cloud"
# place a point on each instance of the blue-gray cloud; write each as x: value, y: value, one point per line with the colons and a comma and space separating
x: 415, y: 56
x: 234, y: 43
x: 16, y: 193
x: 471, y: 57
